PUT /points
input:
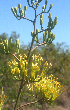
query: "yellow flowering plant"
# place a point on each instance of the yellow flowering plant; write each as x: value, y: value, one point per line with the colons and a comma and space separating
x: 47, y: 89
x: 2, y: 98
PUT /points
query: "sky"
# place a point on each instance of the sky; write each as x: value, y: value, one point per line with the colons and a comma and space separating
x: 9, y: 23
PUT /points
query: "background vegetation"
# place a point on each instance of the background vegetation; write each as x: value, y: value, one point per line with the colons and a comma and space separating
x: 60, y: 69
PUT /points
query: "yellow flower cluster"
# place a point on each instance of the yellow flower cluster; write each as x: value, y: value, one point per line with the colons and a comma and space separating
x: 2, y: 98
x: 48, y: 88
x: 16, y: 70
x: 23, y: 66
x: 46, y: 66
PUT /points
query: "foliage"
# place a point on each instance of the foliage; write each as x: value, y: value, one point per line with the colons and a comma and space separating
x: 47, y: 88
x: 57, y: 56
